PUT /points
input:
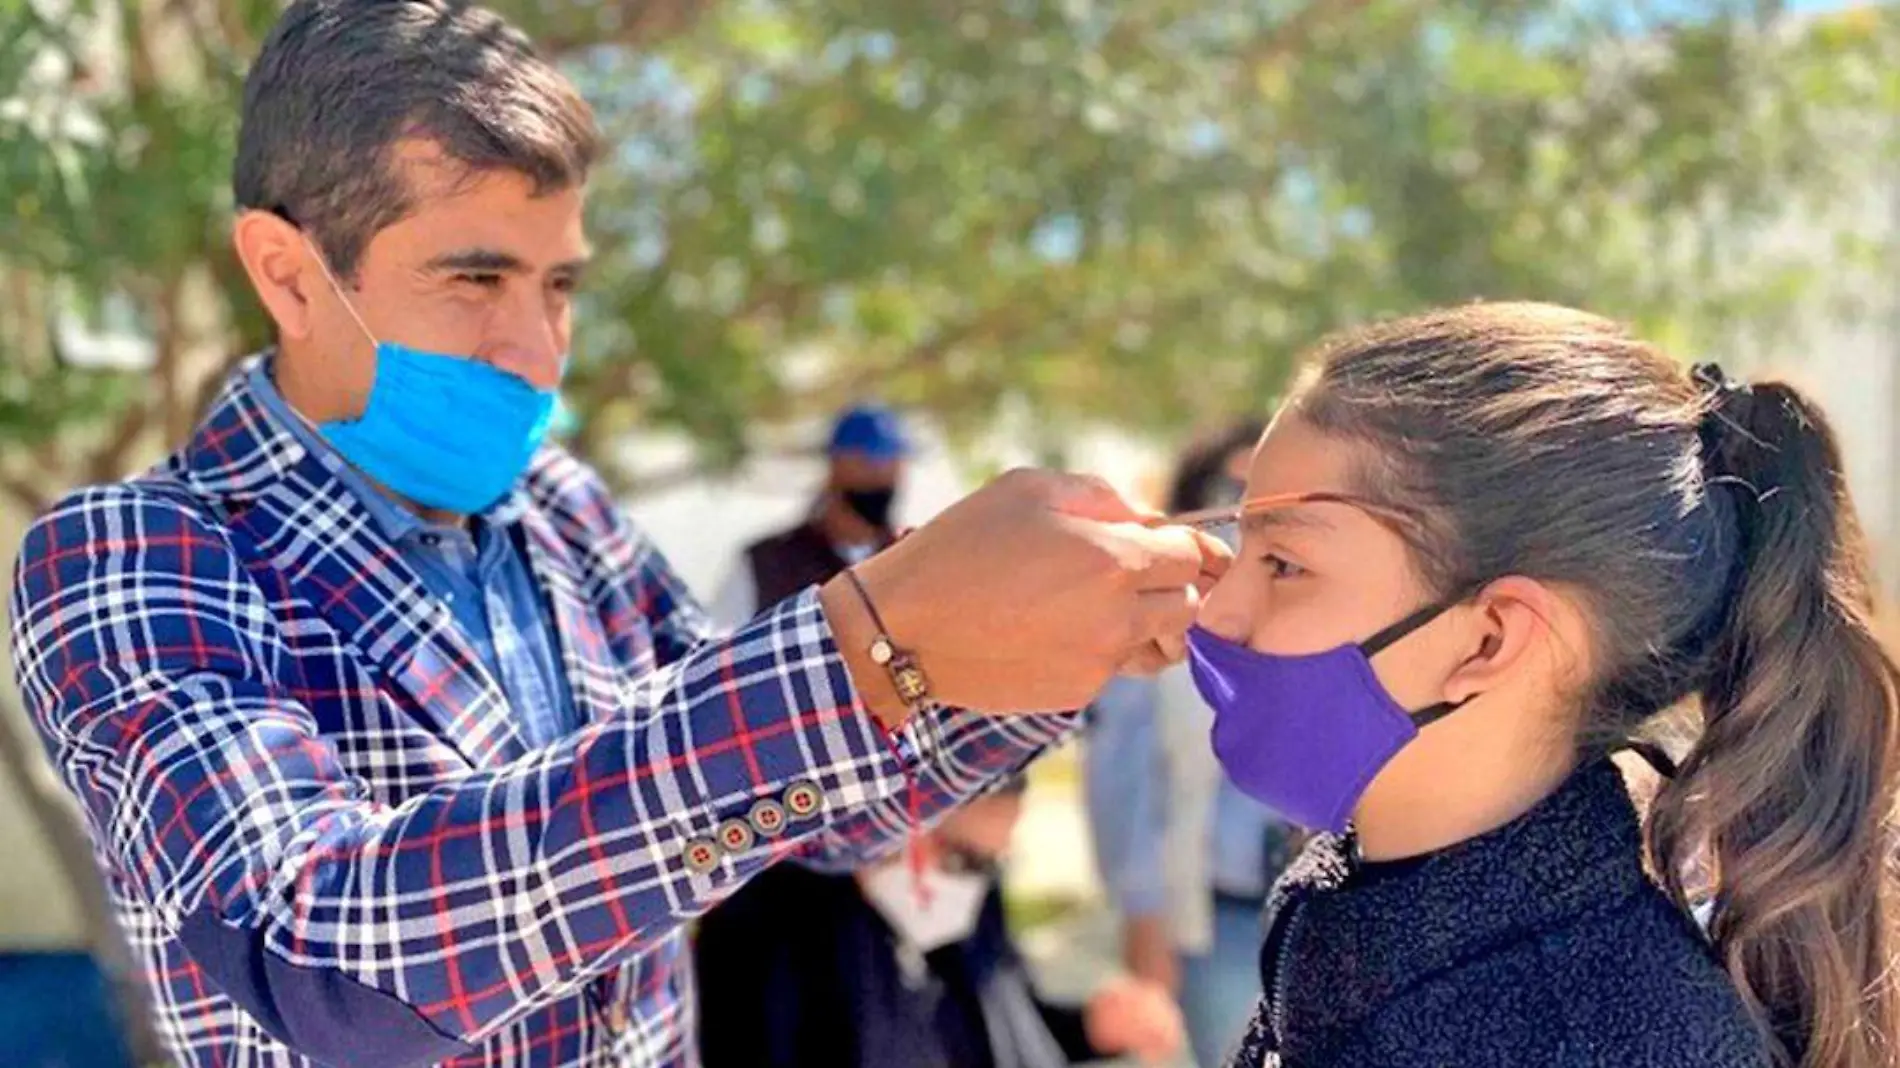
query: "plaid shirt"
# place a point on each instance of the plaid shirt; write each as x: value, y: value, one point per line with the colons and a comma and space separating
x: 320, y: 827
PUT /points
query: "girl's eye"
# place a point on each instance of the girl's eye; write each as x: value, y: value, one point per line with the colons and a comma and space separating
x: 1282, y: 568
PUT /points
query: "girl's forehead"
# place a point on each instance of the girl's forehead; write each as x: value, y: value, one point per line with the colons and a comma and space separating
x: 1293, y: 457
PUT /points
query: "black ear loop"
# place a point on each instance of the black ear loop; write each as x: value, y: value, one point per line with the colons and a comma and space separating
x: 1654, y: 755
x: 1386, y: 638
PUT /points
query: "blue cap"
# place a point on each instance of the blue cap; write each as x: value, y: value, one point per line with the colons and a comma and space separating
x: 870, y: 430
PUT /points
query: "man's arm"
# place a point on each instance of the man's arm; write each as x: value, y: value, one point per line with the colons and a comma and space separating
x: 946, y: 757
x: 366, y: 934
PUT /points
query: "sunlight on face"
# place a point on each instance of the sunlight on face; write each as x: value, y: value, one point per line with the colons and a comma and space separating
x: 483, y: 266
x: 1312, y: 577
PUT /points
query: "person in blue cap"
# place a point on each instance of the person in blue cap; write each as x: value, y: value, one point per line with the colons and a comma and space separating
x: 849, y: 522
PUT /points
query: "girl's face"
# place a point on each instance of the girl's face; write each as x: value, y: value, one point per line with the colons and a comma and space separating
x: 1312, y: 577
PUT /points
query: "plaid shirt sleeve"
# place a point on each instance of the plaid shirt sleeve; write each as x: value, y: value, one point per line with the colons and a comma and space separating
x: 365, y: 933
x: 944, y: 757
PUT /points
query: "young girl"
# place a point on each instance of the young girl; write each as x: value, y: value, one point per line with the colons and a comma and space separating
x: 1486, y: 548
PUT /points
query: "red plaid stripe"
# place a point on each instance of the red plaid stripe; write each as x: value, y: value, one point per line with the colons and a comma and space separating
x: 270, y: 725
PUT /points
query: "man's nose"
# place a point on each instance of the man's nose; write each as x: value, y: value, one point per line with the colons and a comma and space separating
x: 540, y: 368
x: 531, y: 344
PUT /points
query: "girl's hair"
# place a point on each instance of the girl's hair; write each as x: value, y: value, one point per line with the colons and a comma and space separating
x: 1708, y: 527
x: 1202, y: 463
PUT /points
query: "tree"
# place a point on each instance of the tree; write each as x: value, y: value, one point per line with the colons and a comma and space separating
x: 1137, y: 212
x: 1133, y: 212
x: 1129, y: 211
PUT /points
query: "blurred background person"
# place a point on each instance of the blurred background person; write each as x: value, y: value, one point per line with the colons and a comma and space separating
x: 902, y: 967
x: 850, y: 521
x: 1185, y: 857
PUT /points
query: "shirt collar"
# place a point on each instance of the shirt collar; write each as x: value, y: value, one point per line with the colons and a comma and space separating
x: 391, y: 519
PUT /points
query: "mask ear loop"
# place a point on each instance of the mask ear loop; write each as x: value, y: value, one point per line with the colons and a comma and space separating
x: 1391, y: 635
x: 1654, y: 755
x: 323, y: 264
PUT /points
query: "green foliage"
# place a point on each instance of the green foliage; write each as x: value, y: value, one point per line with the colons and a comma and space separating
x: 1134, y: 211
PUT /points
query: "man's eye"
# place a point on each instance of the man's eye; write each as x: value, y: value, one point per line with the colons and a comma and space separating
x: 483, y: 279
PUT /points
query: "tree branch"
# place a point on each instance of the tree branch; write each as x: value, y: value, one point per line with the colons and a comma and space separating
x: 107, y: 462
x: 1293, y: 33
x: 209, y: 388
x: 169, y: 360
x: 29, y: 497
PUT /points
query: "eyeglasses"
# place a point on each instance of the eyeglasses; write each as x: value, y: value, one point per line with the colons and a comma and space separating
x: 1228, y: 515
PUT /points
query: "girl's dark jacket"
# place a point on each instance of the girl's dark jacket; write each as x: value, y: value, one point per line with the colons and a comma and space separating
x: 1540, y: 943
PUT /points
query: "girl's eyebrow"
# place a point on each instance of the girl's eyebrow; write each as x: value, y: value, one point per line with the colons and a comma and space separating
x: 1285, y: 510
x: 1284, y: 517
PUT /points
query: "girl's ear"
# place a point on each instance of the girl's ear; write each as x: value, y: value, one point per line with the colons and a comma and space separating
x: 1510, y: 621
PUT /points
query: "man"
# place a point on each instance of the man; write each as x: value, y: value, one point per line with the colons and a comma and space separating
x: 397, y: 743
x: 851, y: 521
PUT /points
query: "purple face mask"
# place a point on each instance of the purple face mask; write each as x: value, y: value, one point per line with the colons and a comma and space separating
x: 1305, y: 735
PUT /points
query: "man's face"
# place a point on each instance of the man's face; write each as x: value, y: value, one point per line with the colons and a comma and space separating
x: 858, y: 471
x: 481, y: 268
x: 866, y: 485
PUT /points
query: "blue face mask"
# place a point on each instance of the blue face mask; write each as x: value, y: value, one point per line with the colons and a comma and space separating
x: 447, y: 432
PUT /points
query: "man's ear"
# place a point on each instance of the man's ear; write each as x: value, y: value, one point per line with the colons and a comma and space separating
x: 282, y: 268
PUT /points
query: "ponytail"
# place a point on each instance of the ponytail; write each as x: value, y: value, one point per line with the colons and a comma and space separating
x: 1785, y: 803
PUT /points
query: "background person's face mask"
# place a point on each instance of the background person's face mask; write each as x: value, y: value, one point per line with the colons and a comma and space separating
x: 873, y: 505
x: 928, y: 908
x: 1305, y: 735
x: 447, y: 432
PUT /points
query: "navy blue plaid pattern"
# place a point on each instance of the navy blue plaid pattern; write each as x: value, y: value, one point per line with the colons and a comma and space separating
x: 317, y: 818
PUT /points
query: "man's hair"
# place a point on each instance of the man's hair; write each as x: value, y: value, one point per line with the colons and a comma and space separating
x: 339, y: 83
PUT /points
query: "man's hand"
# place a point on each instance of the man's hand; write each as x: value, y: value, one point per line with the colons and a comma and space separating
x: 1131, y: 1018
x: 1028, y: 595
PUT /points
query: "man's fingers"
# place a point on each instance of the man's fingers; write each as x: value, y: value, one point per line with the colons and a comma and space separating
x: 1146, y: 660
x: 1216, y: 558
x: 1155, y: 655
x: 1092, y: 497
x: 1163, y: 616
x: 1173, y: 647
x: 1174, y: 557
